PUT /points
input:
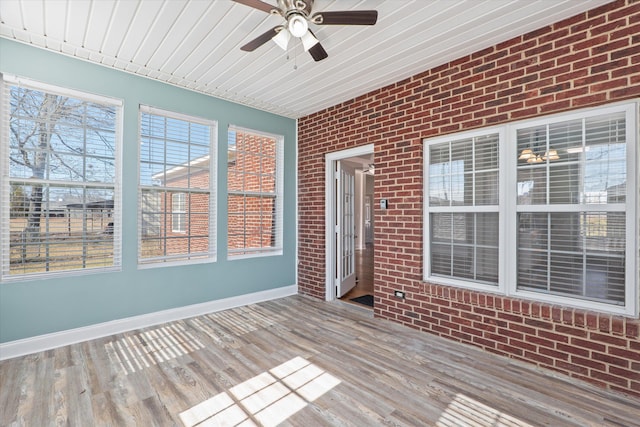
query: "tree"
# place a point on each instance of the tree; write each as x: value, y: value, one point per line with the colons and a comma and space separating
x: 55, y: 138
x: 47, y: 111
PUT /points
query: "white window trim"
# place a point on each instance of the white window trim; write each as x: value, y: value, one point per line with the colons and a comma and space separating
x: 508, y: 210
x: 182, y: 223
x: 427, y: 210
x: 165, y: 261
x: 631, y: 304
x: 277, y: 250
x: 5, y: 108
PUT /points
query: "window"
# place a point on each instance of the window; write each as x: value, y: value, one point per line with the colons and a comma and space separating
x: 571, y: 202
x: 61, y: 151
x: 567, y: 206
x: 463, y: 181
x: 254, y: 193
x: 176, y: 209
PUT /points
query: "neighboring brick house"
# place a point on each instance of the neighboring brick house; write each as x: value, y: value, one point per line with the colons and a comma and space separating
x: 592, y: 59
x: 182, y: 226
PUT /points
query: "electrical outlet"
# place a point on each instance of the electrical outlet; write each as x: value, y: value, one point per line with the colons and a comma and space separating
x: 398, y: 294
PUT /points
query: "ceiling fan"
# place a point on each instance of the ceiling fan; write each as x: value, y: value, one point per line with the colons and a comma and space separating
x: 298, y: 15
x: 370, y: 169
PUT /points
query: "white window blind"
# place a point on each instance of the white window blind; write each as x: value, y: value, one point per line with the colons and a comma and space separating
x: 255, y: 185
x: 176, y: 206
x: 60, y: 155
x: 463, y: 208
x: 571, y: 203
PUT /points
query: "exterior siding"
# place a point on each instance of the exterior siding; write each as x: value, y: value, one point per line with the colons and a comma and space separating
x: 589, y: 60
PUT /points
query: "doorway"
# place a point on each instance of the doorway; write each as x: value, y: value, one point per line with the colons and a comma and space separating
x: 349, y: 224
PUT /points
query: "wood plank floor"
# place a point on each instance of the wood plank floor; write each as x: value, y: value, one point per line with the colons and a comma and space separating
x: 295, y: 361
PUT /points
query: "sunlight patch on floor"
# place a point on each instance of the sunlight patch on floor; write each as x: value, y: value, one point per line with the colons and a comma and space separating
x: 266, y: 399
x: 141, y: 350
x: 464, y: 411
x: 226, y: 326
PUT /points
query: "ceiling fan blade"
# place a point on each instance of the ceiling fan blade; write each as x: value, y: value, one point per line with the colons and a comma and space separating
x: 347, y: 17
x: 317, y: 52
x: 260, y: 40
x: 257, y: 4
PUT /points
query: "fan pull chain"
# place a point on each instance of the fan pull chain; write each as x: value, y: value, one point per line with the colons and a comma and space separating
x: 295, y: 57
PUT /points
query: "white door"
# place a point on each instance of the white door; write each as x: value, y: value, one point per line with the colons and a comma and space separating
x: 345, y: 229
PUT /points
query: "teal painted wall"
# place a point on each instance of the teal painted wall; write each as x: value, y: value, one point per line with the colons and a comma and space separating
x: 31, y: 308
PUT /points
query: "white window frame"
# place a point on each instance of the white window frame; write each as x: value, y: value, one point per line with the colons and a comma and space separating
x: 115, y: 225
x: 277, y: 249
x: 427, y: 276
x: 188, y: 258
x: 179, y: 212
x: 508, y: 211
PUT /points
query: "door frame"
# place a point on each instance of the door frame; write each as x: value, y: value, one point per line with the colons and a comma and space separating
x: 329, y: 214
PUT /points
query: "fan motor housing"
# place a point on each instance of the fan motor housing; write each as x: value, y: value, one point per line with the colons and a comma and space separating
x: 302, y: 7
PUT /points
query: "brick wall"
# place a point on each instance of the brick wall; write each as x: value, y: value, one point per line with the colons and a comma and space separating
x: 588, y: 60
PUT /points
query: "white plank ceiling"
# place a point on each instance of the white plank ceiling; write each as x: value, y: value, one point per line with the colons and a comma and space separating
x: 195, y: 44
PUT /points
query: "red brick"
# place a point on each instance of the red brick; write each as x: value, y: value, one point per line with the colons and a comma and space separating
x: 589, y: 363
x: 523, y: 345
x: 610, y: 378
x: 624, y: 353
x: 553, y: 336
x: 553, y: 353
x: 539, y: 341
x: 623, y: 363
x: 617, y: 326
x: 592, y: 320
x: 538, y: 324
x: 578, y: 351
x: 632, y: 329
x: 578, y: 332
x: 514, y: 318
x: 588, y: 344
x: 608, y: 339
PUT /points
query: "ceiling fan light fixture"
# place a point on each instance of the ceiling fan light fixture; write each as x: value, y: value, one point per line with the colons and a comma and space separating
x: 282, y: 38
x: 526, y: 154
x: 298, y: 26
x: 309, y: 41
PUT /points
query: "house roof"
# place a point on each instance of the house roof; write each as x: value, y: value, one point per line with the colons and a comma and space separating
x: 178, y: 172
x: 196, y: 44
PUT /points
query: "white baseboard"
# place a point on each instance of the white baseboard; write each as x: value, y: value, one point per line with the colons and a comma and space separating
x: 39, y: 343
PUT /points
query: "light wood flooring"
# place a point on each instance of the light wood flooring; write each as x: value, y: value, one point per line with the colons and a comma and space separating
x: 296, y: 361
